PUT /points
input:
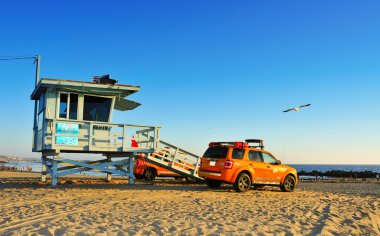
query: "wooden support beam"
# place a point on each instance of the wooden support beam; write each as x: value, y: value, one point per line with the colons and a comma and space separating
x: 72, y: 171
x: 122, y: 167
x: 43, y: 169
x: 102, y: 167
x: 73, y: 166
x: 131, y: 175
x: 109, y: 175
x: 54, y: 176
x: 48, y: 167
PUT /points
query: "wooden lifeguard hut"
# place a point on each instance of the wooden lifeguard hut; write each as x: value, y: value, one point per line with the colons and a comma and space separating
x: 76, y: 117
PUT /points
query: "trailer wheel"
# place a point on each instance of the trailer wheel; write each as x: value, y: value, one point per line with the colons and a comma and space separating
x: 150, y: 174
x: 139, y: 176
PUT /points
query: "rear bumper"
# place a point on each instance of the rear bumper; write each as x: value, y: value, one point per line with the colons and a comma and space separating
x: 224, y: 176
x: 209, y: 173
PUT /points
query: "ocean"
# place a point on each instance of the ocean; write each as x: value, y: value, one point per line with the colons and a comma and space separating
x: 324, y: 168
x: 36, y: 167
x: 24, y: 165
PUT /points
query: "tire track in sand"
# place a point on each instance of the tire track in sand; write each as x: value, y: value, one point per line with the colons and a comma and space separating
x: 35, y: 219
x: 317, y: 230
x: 35, y: 202
x: 91, y: 205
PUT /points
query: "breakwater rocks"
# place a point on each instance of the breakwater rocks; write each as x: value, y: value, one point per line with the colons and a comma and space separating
x: 15, y: 168
x: 340, y: 173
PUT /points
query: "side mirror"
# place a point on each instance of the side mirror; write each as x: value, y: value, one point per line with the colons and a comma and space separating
x: 278, y: 162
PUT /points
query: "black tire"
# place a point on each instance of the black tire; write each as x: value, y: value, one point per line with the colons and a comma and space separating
x: 242, y: 183
x: 149, y: 174
x: 139, y: 177
x: 213, y: 183
x: 289, y: 184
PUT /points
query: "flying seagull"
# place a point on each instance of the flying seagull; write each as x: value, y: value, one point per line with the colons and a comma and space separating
x: 297, y: 108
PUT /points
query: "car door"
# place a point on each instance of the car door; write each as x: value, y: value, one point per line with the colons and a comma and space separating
x: 273, y: 173
x: 262, y: 170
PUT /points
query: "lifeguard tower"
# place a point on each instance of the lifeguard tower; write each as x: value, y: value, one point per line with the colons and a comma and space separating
x: 75, y: 117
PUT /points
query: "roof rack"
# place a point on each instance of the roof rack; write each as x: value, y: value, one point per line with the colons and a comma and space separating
x: 235, y: 144
x: 260, y: 143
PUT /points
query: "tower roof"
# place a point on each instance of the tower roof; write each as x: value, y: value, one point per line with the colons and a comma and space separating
x: 119, y: 90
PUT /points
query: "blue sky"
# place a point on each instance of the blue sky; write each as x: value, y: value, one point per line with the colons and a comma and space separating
x: 210, y: 70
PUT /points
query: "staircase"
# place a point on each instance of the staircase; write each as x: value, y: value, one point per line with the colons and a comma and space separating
x: 175, y: 159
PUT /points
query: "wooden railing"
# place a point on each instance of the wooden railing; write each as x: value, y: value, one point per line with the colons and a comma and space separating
x: 92, y: 136
x: 175, y: 159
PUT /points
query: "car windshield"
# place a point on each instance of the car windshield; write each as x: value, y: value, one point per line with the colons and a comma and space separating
x: 216, y: 152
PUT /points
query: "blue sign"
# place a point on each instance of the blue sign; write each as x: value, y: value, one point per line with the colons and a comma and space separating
x: 63, y: 140
x: 67, y: 128
x: 67, y: 134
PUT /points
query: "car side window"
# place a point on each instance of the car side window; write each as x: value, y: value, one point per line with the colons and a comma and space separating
x: 268, y: 158
x: 255, y: 156
x: 238, y: 153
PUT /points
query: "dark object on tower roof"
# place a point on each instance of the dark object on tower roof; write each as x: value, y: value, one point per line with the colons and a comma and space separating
x: 104, y: 79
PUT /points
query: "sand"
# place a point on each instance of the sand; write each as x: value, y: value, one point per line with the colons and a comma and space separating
x: 170, y: 207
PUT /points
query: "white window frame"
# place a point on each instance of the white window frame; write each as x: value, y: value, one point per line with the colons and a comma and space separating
x: 68, y: 105
x: 101, y: 96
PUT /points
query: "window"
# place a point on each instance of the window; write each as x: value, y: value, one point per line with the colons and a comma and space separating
x: 68, y: 100
x: 41, y: 103
x: 255, y: 156
x: 216, y: 152
x: 96, y: 108
x: 73, y: 106
x: 268, y: 158
x: 41, y: 111
x: 238, y: 153
x: 63, y: 105
x: 40, y: 120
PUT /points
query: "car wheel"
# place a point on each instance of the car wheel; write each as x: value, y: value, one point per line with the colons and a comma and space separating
x: 242, y: 183
x: 138, y: 176
x: 213, y: 183
x: 289, y: 184
x: 149, y: 174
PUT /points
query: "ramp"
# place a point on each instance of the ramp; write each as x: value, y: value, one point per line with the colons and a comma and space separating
x: 175, y: 159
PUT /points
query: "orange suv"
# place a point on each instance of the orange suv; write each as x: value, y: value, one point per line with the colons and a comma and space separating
x: 245, y: 165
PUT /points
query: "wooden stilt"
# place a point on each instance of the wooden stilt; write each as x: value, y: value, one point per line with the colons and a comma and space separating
x: 54, y: 177
x: 131, y: 179
x: 109, y: 175
x: 43, y: 169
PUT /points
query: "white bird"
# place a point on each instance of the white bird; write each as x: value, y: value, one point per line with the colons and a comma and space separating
x: 297, y: 108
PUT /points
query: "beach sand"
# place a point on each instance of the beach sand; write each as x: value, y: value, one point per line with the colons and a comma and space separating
x: 170, y: 207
